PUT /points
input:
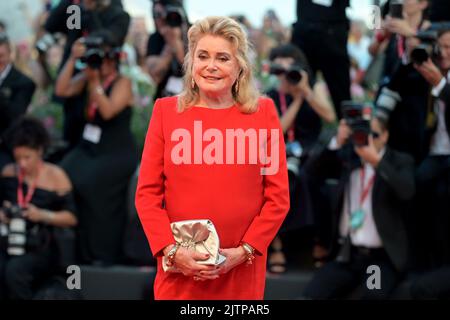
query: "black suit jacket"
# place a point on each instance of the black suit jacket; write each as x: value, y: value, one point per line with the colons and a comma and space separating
x: 16, y: 92
x: 445, y: 97
x: 394, y: 187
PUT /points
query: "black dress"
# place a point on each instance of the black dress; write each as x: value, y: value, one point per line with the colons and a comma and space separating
x: 100, y: 173
x: 44, y: 250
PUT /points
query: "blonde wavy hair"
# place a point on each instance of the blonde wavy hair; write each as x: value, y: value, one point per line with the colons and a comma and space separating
x: 244, y: 90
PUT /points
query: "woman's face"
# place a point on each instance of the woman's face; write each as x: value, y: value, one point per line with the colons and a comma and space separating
x: 286, y: 63
x: 215, y: 66
x: 27, y: 158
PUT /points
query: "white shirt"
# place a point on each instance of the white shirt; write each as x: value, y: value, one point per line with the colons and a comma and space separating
x: 5, y: 73
x: 367, y: 235
x: 440, y: 143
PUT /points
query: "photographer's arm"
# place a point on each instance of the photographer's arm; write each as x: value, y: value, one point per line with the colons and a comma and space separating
x: 158, y: 65
x: 288, y: 118
x: 121, y: 97
x: 317, y: 100
x: 68, y: 85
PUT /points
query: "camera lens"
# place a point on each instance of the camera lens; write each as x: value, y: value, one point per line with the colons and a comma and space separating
x: 293, y: 76
x: 174, y: 19
x: 419, y: 55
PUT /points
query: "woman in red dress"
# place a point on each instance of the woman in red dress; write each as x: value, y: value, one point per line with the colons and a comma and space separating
x: 215, y: 152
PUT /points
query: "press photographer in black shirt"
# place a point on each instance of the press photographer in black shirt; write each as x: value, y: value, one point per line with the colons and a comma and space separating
x: 96, y: 15
x: 166, y: 46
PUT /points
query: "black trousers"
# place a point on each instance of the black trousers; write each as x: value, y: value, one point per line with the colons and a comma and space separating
x: 325, y: 47
x: 432, y: 285
x: 336, y: 280
x: 20, y: 275
x: 432, y: 218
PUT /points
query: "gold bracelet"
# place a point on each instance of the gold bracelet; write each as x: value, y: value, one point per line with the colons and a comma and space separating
x: 250, y: 251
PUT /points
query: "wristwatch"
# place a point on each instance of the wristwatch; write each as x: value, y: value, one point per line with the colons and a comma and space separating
x: 171, y: 254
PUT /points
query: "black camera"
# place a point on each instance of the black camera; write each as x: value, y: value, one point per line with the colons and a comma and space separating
x: 427, y: 49
x: 357, y: 116
x: 95, y: 52
x: 293, y: 74
x: 17, y: 233
x: 174, y: 16
x: 48, y: 40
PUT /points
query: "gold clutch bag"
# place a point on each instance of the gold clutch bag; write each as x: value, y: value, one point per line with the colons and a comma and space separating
x: 197, y: 235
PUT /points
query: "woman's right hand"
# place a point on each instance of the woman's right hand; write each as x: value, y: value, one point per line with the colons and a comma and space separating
x: 343, y: 133
x: 78, y: 49
x: 185, y: 260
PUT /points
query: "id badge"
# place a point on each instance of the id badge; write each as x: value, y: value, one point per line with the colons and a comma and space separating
x: 92, y: 133
x: 174, y: 85
x: 357, y: 219
x: 325, y: 3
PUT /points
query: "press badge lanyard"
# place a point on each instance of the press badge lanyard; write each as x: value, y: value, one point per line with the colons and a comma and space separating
x: 93, y: 107
x: 22, y: 200
x: 357, y: 217
x: 283, y: 105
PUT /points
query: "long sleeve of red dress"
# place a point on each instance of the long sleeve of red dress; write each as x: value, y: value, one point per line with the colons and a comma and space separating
x: 243, y: 204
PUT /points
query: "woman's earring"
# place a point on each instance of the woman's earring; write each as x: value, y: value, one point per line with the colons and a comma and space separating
x: 236, y: 86
x: 192, y: 83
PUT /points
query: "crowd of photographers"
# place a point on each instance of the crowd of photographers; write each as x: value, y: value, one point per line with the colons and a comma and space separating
x: 370, y: 177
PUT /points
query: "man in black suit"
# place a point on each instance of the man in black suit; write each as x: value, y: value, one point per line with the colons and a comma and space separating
x: 368, y: 226
x: 433, y: 178
x: 16, y: 91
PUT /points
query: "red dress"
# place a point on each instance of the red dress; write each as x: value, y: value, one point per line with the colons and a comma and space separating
x: 243, y: 204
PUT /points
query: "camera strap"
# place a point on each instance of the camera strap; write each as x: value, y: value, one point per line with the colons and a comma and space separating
x: 365, y: 189
x: 283, y: 106
x: 92, y: 109
x: 22, y: 200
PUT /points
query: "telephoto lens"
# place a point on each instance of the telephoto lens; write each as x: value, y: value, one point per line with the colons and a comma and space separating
x: 17, y: 233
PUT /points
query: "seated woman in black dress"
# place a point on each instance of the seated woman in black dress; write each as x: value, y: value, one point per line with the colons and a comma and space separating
x: 36, y: 198
x: 101, y: 165
x: 302, y: 106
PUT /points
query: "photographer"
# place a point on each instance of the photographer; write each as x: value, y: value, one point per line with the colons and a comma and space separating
x: 401, y: 22
x: 16, y: 91
x: 166, y: 47
x: 36, y: 198
x: 301, y: 105
x: 96, y: 15
x: 102, y: 163
x: 373, y: 191
x: 433, y: 174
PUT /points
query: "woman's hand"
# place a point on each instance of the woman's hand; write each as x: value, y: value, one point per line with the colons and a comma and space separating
x: 33, y: 214
x: 343, y: 134
x: 430, y: 72
x: 185, y: 260
x: 302, y: 89
x: 399, y: 26
x: 234, y: 257
x: 78, y: 49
